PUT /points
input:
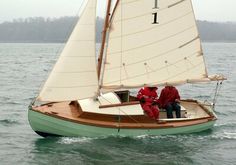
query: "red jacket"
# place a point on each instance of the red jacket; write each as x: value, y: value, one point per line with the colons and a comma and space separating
x: 168, y: 95
x: 149, y: 94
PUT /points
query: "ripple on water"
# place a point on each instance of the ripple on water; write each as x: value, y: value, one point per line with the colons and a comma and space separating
x: 224, y: 136
x: 9, y: 122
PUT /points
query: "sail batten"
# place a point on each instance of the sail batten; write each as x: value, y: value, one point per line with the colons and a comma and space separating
x: 75, y: 75
x: 174, y: 4
x: 153, y: 44
x: 171, y: 21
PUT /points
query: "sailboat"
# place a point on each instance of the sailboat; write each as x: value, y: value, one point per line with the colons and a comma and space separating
x: 144, y: 43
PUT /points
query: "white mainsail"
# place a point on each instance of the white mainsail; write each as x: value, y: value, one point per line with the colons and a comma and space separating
x: 153, y: 42
x: 75, y: 75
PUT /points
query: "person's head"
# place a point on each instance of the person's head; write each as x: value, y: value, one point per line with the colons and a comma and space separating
x: 152, y: 88
x: 169, y: 86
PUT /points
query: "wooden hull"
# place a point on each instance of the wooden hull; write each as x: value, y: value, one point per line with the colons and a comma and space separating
x: 47, y: 124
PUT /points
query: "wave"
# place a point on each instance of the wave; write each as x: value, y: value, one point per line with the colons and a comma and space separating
x: 225, y: 136
x: 223, y: 125
x: 226, y: 112
x: 72, y: 140
x: 8, y: 122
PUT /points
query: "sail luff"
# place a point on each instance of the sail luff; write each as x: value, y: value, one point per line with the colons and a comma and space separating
x: 104, y: 34
x: 74, y: 75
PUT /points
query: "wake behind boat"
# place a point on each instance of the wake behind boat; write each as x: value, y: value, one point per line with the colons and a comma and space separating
x: 145, y: 43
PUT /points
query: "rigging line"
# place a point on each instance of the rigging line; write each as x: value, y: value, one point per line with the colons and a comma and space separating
x: 151, y: 58
x: 174, y: 64
x: 189, y: 61
x: 211, y: 94
x: 157, y: 69
x: 218, y: 88
x: 155, y: 42
x: 167, y: 69
x: 126, y: 73
x: 152, y: 70
x: 160, y: 69
x: 146, y: 68
x: 176, y: 75
x: 153, y: 27
x: 120, y: 110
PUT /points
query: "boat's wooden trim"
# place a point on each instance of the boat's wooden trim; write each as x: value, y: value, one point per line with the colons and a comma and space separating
x: 190, y: 100
x: 49, y: 103
x: 199, y: 104
x: 205, y: 109
x: 119, y: 105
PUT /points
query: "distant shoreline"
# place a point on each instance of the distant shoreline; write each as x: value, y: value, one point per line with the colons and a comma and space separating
x: 99, y: 42
x: 47, y: 30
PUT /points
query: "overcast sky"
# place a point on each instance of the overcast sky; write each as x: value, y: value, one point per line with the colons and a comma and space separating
x: 211, y: 10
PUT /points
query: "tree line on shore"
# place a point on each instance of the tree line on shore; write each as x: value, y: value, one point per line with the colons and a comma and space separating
x: 57, y: 30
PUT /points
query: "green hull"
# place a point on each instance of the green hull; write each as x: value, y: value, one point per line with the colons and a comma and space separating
x: 48, y: 125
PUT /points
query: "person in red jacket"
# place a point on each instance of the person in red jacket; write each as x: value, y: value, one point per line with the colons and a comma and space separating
x: 169, y: 100
x: 148, y: 100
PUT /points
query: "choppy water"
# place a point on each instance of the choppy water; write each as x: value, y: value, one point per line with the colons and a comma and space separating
x: 23, y: 68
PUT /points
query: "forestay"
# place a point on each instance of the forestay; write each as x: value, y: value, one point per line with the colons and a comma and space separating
x: 75, y: 76
x: 153, y: 42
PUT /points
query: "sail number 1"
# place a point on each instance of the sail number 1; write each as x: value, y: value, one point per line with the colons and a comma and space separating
x: 155, y: 15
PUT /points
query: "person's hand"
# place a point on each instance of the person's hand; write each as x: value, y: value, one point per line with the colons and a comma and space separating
x: 154, y: 103
x: 177, y: 100
x: 142, y: 100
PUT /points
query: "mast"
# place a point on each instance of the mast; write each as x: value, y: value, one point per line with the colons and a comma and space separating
x: 104, y: 34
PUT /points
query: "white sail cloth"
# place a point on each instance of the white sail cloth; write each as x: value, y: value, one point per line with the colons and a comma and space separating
x: 75, y: 75
x: 153, y: 42
x: 150, y: 42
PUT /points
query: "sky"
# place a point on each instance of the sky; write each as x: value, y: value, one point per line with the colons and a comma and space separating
x: 211, y: 10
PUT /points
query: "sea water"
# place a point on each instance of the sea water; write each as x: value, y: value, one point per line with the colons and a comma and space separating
x: 24, y: 68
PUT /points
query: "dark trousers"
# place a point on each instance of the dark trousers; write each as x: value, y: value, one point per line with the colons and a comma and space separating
x: 170, y: 107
